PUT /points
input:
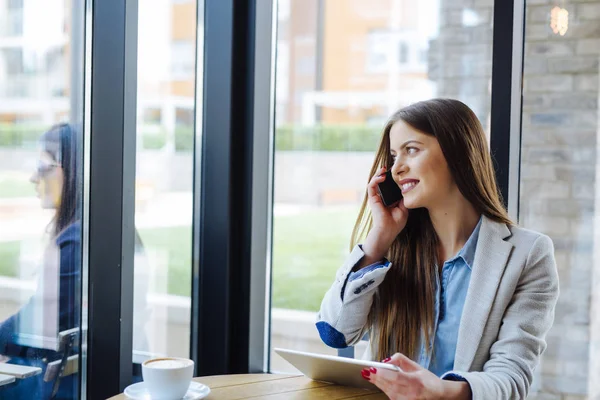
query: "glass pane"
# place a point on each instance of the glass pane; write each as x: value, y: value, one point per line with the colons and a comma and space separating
x: 343, y: 67
x: 559, y: 182
x: 165, y: 139
x: 41, y: 81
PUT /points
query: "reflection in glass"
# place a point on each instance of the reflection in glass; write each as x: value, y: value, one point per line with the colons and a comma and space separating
x: 34, y: 335
x: 40, y: 155
x: 54, y: 307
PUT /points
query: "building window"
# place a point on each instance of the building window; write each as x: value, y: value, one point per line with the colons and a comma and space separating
x: 403, y: 53
x: 378, y: 49
x: 182, y: 59
x: 13, y: 61
x: 405, y: 46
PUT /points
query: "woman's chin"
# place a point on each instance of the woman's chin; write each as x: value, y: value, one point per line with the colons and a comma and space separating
x: 411, y: 203
x: 407, y: 202
x: 47, y: 204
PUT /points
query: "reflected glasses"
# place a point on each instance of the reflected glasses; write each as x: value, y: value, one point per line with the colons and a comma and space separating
x: 43, y: 169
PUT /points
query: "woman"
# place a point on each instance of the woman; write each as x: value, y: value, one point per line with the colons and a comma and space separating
x: 29, y: 336
x: 448, y: 288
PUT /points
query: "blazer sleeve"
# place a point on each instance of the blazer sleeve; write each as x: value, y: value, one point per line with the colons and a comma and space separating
x: 70, y: 266
x: 342, y: 319
x: 7, y: 330
x: 521, y: 340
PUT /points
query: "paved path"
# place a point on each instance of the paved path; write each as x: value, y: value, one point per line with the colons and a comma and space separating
x: 22, y: 218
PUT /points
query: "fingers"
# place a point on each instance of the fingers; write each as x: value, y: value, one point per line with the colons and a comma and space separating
x: 405, y: 363
x: 372, y: 191
x: 401, y: 205
x: 390, y: 382
x: 383, y: 379
x: 399, y: 211
x: 395, y: 360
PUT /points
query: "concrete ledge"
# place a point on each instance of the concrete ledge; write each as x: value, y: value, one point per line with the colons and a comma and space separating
x: 169, y: 316
x: 15, y: 288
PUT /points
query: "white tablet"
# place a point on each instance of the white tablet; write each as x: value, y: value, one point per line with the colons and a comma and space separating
x: 340, y: 370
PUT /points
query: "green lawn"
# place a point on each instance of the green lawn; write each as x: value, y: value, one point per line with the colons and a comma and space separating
x: 12, y: 185
x: 9, y: 258
x: 308, y: 248
x: 177, y: 243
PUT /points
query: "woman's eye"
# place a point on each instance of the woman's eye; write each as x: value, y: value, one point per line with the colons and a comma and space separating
x: 411, y: 150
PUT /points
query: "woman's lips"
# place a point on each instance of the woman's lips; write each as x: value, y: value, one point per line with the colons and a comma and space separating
x: 407, y: 185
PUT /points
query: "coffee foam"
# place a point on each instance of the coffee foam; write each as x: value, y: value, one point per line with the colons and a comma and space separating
x: 166, y: 363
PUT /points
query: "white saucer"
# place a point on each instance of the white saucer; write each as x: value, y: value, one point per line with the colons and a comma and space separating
x: 138, y: 391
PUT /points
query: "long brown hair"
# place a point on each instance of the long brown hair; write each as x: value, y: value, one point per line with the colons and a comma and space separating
x: 61, y: 143
x: 403, y: 308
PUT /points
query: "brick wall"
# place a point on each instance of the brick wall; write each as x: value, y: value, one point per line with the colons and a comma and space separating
x: 558, y: 162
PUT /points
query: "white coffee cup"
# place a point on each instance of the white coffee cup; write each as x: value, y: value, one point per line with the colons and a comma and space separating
x: 167, y: 378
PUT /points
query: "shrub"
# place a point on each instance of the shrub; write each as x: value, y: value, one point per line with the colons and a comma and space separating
x: 20, y: 135
x: 287, y: 137
x: 328, y: 138
x: 184, y: 138
x: 153, y: 140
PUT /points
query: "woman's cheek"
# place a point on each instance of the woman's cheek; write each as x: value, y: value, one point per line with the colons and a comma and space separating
x: 55, y: 192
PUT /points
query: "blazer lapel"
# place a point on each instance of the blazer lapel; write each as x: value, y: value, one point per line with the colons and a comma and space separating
x: 490, y: 260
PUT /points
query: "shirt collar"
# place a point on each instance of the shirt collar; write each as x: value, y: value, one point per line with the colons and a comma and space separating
x: 467, y: 253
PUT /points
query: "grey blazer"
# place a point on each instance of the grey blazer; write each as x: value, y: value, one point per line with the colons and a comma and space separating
x: 508, y: 310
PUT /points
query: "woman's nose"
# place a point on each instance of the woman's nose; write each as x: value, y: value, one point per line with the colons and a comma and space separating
x: 398, y: 167
x: 34, y: 178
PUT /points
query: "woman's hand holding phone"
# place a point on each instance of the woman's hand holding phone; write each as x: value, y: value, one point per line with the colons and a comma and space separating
x: 388, y: 222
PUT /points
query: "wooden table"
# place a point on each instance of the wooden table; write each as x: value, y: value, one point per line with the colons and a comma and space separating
x: 277, y: 387
x: 9, y: 373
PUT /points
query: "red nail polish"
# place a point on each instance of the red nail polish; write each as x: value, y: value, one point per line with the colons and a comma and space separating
x: 387, y: 359
x: 365, y: 374
x: 373, y: 370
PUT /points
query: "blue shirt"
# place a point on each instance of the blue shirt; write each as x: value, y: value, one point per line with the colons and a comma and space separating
x: 450, y: 300
x: 451, y: 292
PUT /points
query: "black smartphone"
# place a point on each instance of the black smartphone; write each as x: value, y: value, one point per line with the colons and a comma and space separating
x: 389, y: 191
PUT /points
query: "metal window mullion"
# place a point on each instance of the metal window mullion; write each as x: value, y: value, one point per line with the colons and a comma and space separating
x: 262, y: 185
x: 506, y: 106
x: 211, y: 214
x: 111, y: 197
x: 222, y: 206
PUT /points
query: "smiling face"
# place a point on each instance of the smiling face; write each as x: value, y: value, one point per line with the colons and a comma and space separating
x: 420, y: 168
x: 48, y: 180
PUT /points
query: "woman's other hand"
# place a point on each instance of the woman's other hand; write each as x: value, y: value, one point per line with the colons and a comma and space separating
x: 414, y: 382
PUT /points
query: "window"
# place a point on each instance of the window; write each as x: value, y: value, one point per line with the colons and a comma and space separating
x: 13, y: 4
x: 405, y: 47
x: 403, y: 52
x: 331, y: 124
x: 13, y: 61
x: 559, y: 182
x: 164, y: 175
x: 183, y: 61
x: 378, y: 47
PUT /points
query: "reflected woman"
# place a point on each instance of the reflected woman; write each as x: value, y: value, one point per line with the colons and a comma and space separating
x: 29, y: 336
x: 447, y: 286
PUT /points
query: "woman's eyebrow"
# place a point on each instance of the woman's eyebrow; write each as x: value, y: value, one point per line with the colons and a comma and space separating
x: 406, y: 144
x: 409, y: 142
